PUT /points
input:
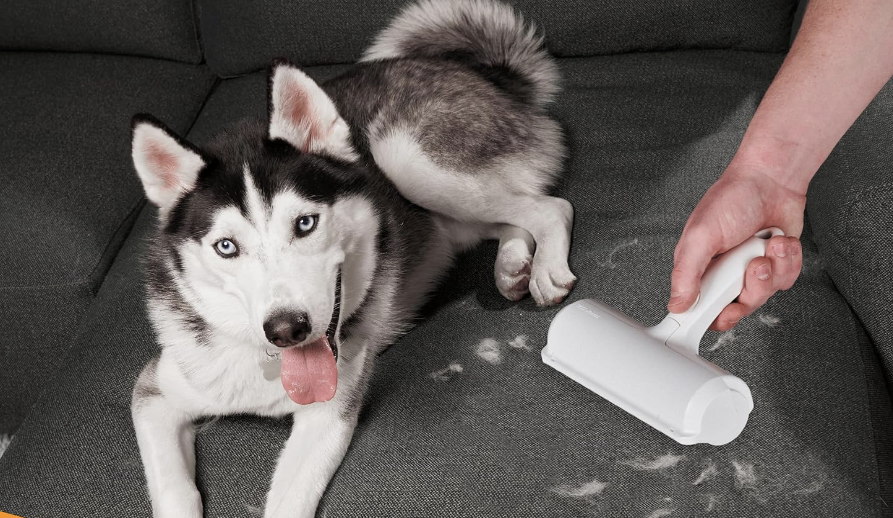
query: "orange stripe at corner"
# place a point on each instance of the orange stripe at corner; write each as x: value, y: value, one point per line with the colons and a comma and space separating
x: 7, y: 515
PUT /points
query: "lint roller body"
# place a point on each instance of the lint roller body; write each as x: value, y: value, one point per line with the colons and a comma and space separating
x: 655, y: 373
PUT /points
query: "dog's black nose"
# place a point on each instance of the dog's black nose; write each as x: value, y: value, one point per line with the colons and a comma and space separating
x: 284, y: 329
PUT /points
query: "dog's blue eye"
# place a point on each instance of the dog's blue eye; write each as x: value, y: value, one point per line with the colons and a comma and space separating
x: 306, y: 224
x: 226, y: 248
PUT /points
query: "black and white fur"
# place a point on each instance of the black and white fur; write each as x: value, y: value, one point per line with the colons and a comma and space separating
x: 436, y: 140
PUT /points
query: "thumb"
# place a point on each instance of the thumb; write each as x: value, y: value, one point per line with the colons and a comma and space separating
x: 695, y: 250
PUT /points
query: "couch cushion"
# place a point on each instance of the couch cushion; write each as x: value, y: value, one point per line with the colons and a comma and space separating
x: 161, y: 29
x: 648, y: 134
x: 851, y: 207
x: 69, y: 194
x: 238, y: 40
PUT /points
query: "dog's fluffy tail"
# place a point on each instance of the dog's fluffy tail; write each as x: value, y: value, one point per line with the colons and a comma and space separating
x: 488, y: 34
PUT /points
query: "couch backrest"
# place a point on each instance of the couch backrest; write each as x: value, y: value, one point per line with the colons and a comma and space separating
x: 241, y: 37
x: 155, y: 28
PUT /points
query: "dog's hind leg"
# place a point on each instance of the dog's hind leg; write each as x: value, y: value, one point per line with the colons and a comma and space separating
x: 488, y: 196
x: 548, y: 220
x: 530, y: 223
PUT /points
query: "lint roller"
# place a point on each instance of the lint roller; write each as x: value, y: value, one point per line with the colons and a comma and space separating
x: 655, y: 373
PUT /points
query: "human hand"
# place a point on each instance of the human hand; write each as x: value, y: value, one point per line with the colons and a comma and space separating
x: 743, y: 201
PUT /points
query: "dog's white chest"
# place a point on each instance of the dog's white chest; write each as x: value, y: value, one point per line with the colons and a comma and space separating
x: 226, y: 380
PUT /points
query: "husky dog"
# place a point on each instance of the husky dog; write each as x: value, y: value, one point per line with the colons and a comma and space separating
x: 290, y: 251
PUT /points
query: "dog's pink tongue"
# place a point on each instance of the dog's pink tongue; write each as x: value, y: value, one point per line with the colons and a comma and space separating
x: 309, y: 373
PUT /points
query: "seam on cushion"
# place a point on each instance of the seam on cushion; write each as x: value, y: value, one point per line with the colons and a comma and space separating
x: 251, y: 71
x: 196, y: 33
x: 43, y: 286
x: 866, y: 406
x: 883, y: 443
x: 134, y: 211
x: 855, y: 200
x: 99, y: 53
x: 201, y: 108
x: 265, y: 68
x: 95, y: 278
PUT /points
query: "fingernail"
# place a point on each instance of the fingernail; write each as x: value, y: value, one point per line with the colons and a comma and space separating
x: 781, y: 249
x: 795, y: 249
x: 763, y: 272
x: 675, y: 298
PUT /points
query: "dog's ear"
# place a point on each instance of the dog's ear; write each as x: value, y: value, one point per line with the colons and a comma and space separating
x: 304, y: 116
x: 167, y: 165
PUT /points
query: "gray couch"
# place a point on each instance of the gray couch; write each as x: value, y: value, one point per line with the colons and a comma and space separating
x: 656, y: 98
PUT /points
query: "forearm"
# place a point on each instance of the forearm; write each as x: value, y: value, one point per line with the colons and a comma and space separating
x: 841, y: 58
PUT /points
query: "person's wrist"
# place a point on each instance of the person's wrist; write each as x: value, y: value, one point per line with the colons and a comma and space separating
x: 787, y: 162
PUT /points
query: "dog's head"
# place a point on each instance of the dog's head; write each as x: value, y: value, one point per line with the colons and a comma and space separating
x: 258, y: 228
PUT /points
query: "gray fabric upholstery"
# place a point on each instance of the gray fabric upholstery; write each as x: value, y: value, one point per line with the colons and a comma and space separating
x: 851, y: 208
x: 850, y: 204
x: 69, y: 194
x: 648, y: 134
x: 310, y: 32
x: 160, y: 28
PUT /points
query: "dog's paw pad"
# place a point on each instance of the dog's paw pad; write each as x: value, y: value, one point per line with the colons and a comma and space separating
x: 521, y: 286
x: 513, y: 288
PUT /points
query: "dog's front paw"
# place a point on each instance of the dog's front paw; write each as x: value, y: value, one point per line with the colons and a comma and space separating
x: 288, y: 512
x: 185, y: 502
x: 550, y: 283
x: 294, y: 504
